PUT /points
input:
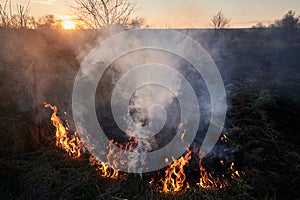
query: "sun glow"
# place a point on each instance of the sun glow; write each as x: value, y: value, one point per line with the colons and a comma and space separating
x: 68, y: 24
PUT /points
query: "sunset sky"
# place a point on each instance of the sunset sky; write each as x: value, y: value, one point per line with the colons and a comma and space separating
x: 185, y: 13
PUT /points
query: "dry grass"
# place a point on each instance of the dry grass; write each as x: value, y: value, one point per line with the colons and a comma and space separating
x: 262, y: 122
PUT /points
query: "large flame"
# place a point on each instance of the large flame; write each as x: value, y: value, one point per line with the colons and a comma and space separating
x: 175, y: 177
x: 72, y: 144
x: 69, y: 142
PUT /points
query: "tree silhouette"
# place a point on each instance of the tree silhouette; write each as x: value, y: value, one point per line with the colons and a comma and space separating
x: 259, y: 25
x: 5, y: 14
x: 289, y: 21
x: 103, y: 13
x: 49, y: 21
x: 219, y: 21
x: 21, y: 19
x: 136, y: 23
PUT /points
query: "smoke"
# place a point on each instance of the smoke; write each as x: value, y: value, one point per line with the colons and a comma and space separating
x: 42, y: 66
x: 148, y: 106
x: 130, y: 104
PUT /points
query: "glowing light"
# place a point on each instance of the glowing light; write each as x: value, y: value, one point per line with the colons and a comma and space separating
x: 64, y: 139
x: 68, y: 24
x: 175, y: 178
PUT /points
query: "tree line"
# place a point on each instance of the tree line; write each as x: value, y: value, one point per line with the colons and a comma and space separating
x: 289, y: 22
x: 91, y: 14
x: 21, y: 18
x: 96, y: 14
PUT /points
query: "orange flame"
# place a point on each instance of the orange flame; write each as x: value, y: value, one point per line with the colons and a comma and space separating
x: 114, y: 158
x: 74, y: 146
x: 235, y: 173
x: 207, y: 181
x: 104, y: 169
x: 175, y: 177
x: 223, y: 138
x: 69, y: 142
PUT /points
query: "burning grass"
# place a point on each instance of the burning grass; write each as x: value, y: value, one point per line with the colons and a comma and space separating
x: 64, y: 139
x: 262, y: 121
x: 49, y: 173
x: 175, y: 176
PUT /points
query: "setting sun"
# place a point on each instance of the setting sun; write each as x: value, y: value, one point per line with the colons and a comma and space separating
x: 68, y: 24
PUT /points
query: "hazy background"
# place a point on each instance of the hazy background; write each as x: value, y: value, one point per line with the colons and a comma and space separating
x: 39, y: 60
x: 184, y: 13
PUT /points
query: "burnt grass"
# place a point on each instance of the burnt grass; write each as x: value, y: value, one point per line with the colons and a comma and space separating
x: 261, y: 73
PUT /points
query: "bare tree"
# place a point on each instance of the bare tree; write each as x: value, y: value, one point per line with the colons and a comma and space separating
x: 5, y: 14
x: 219, y: 21
x: 103, y: 13
x: 21, y: 19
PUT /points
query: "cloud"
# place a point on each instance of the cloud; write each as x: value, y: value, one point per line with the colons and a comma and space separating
x: 48, y: 2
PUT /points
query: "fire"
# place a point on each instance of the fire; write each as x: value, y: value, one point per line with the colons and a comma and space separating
x: 69, y: 142
x: 113, y: 158
x: 175, y: 177
x: 223, y: 138
x: 234, y: 172
x: 182, y: 135
x: 103, y: 169
x: 207, y: 181
x: 72, y: 144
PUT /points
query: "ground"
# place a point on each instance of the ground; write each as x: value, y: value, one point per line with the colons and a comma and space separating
x: 260, y: 69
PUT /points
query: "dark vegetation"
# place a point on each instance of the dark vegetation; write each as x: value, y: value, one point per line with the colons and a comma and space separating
x: 260, y: 68
x: 89, y: 14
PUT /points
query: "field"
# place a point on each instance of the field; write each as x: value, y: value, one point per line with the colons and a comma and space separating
x: 260, y: 69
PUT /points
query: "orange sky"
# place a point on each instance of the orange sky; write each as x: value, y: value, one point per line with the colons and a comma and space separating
x: 185, y: 13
